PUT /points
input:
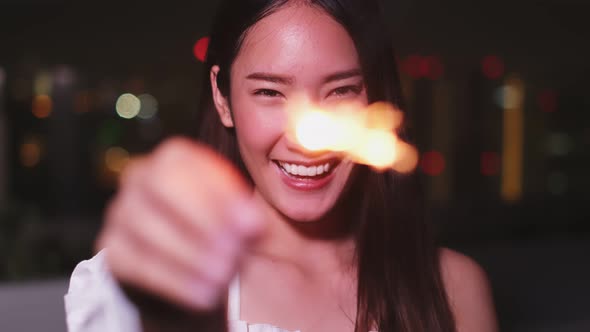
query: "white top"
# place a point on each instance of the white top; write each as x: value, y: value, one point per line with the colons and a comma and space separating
x: 96, y: 303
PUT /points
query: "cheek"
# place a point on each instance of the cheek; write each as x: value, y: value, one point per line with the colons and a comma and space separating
x: 258, y: 128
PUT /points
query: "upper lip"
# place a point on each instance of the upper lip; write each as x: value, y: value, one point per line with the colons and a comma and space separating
x: 308, y: 163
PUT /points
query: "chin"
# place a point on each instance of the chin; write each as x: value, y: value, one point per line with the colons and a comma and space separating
x: 306, y: 210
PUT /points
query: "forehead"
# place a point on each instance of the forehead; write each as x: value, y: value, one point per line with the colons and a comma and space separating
x: 298, y: 40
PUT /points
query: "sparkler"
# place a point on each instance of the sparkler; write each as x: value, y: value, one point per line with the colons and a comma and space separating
x: 365, y: 134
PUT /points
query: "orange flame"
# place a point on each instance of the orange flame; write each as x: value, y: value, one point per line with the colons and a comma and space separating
x: 366, y: 134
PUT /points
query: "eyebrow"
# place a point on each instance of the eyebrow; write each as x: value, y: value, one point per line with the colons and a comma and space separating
x: 342, y: 75
x: 289, y: 80
x: 273, y: 78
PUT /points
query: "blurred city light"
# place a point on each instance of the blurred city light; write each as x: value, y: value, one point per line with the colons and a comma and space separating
x: 43, y: 83
x: 432, y: 163
x: 416, y: 66
x: 148, y: 106
x: 30, y: 152
x: 492, y: 67
x: 512, y: 139
x: 489, y: 163
x: 547, y: 101
x: 508, y: 97
x: 411, y: 66
x: 128, y: 106
x: 200, y: 49
x: 42, y: 106
x: 116, y: 158
x: 559, y: 144
x: 64, y: 76
x: 433, y: 68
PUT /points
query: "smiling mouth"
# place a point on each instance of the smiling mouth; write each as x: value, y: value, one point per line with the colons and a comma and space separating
x: 310, y: 171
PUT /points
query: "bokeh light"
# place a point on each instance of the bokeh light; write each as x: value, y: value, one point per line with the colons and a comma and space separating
x: 433, y: 163
x: 508, y: 97
x: 411, y: 66
x: 200, y: 49
x: 489, y: 163
x: 492, y: 67
x: 148, y: 106
x: 511, y: 189
x: 42, y: 83
x: 116, y: 158
x: 416, y: 67
x: 559, y: 144
x: 30, y: 152
x: 433, y: 67
x: 547, y: 101
x: 64, y: 76
x: 128, y: 106
x: 42, y: 106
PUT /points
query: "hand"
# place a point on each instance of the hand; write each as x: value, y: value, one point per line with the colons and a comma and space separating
x: 180, y: 224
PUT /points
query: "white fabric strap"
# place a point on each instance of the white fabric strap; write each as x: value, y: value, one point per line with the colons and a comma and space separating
x: 233, y: 303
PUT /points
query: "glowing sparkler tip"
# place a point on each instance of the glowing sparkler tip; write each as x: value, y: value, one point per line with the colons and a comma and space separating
x: 365, y: 134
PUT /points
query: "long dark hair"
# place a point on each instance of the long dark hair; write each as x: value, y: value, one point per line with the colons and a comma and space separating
x: 400, y: 287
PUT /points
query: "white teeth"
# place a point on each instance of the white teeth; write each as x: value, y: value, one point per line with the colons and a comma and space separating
x: 301, y: 170
x: 312, y: 171
x: 320, y: 170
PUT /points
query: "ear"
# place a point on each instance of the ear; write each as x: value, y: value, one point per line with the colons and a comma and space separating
x: 220, y: 101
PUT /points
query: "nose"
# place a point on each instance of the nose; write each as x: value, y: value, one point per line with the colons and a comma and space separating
x: 293, y: 145
x: 300, y: 102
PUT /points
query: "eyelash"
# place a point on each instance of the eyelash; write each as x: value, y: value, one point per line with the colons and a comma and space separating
x: 340, y: 92
x: 267, y: 93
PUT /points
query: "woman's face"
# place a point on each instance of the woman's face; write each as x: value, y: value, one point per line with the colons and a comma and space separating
x: 298, y: 51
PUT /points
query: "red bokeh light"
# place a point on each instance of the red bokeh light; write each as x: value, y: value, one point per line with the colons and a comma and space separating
x: 435, y: 68
x: 547, y: 101
x: 432, y: 163
x: 492, y: 67
x: 200, y: 49
x: 489, y: 163
x: 417, y: 67
x: 411, y: 66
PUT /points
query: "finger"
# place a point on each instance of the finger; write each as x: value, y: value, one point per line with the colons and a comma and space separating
x: 155, y: 232
x: 134, y: 266
x: 199, y: 187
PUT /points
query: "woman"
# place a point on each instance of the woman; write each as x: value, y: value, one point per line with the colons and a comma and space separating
x: 305, y: 241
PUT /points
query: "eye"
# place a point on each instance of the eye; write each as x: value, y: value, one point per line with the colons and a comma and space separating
x: 344, y: 91
x: 267, y: 93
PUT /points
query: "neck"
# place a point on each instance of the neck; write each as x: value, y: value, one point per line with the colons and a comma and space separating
x: 315, y: 247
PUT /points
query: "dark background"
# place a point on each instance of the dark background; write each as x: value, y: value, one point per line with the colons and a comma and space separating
x: 459, y: 60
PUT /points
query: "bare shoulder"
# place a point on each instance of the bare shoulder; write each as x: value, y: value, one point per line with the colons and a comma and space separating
x: 469, y: 292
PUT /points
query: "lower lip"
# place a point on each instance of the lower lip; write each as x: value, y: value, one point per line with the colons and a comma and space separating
x: 304, y: 184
